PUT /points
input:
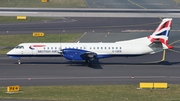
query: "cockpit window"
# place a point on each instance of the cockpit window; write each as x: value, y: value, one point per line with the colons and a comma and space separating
x: 19, y: 47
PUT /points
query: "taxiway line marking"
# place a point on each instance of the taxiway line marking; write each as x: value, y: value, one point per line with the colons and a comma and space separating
x: 137, y: 4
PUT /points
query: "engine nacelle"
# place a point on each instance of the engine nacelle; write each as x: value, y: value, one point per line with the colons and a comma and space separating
x: 74, y: 54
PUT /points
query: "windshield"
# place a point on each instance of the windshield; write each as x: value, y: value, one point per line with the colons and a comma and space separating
x: 19, y: 47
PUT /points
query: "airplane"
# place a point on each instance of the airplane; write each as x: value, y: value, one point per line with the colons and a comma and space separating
x: 151, y: 44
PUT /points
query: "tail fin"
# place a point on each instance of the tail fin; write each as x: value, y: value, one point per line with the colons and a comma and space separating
x: 161, y: 33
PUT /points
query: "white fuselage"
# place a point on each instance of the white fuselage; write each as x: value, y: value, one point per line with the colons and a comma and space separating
x: 123, y: 48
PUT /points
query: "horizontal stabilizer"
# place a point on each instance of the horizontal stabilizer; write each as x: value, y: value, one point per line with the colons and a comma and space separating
x: 156, y: 45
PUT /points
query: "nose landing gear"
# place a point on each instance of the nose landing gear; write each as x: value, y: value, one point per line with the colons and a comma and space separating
x: 19, y: 61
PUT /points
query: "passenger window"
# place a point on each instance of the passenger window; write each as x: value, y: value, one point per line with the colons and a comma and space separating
x: 97, y: 47
x: 112, y: 47
x: 104, y: 47
x: 101, y: 47
x: 116, y: 47
x: 94, y: 48
x: 48, y: 48
x: 109, y: 47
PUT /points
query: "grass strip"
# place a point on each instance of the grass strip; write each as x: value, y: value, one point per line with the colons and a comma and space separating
x: 39, y: 4
x: 13, y: 40
x: 7, y: 19
x: 177, y: 1
x: 93, y: 93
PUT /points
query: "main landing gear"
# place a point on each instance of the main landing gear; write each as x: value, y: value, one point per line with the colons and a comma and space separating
x: 88, y: 63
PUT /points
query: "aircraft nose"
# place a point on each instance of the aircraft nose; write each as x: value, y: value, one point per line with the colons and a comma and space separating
x: 8, y: 53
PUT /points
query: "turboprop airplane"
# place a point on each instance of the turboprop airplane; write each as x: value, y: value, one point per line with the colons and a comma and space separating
x: 154, y: 43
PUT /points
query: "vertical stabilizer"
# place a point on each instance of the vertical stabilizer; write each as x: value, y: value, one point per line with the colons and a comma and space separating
x: 161, y: 33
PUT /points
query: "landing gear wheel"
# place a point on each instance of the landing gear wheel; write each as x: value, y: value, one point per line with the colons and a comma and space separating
x: 19, y: 61
x: 88, y: 63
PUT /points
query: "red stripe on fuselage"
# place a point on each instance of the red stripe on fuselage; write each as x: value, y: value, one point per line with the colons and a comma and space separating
x: 38, y: 45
